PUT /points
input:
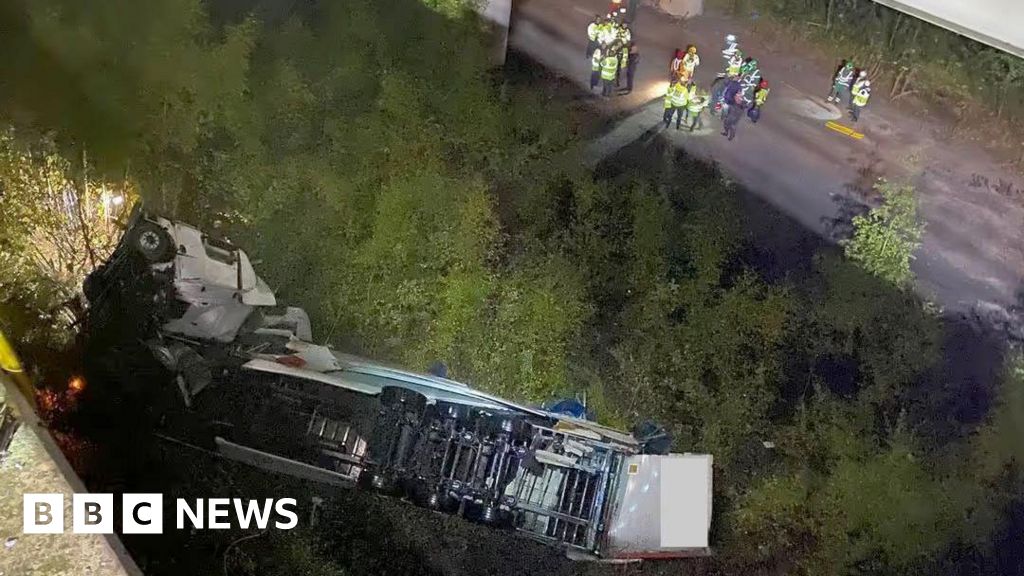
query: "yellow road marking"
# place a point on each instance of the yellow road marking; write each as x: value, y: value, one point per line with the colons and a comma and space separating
x: 843, y: 130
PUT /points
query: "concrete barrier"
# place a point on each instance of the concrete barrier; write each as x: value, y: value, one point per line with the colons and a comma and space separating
x: 36, y: 464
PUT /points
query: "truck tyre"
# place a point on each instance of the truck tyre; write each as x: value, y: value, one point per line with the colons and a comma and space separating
x: 152, y: 242
x: 486, y: 513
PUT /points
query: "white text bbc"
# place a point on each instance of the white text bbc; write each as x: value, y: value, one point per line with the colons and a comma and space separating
x: 144, y: 513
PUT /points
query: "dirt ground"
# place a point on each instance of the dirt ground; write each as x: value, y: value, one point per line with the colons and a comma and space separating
x: 965, y: 122
x: 972, y: 205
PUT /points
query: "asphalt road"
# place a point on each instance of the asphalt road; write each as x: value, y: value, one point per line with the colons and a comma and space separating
x: 972, y: 251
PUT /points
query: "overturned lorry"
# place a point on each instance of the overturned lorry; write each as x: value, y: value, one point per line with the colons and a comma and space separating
x: 273, y: 399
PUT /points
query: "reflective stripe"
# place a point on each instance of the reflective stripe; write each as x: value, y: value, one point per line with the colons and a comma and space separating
x: 592, y: 31
x: 690, y: 62
x: 696, y: 104
x: 761, y: 96
x: 680, y: 96
x: 861, y: 98
x: 734, y: 66
x: 608, y: 68
x: 595, y: 61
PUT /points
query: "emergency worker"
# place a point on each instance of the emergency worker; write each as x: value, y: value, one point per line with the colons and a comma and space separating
x: 861, y: 94
x: 841, y: 82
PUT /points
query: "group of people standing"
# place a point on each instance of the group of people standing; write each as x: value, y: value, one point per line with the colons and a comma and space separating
x: 741, y: 89
x: 686, y: 102
x: 683, y: 99
x: 612, y: 53
x: 857, y: 97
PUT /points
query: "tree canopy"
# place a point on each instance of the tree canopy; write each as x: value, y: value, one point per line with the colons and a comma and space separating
x: 422, y: 206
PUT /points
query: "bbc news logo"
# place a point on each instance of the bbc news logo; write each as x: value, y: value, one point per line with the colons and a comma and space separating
x: 144, y: 513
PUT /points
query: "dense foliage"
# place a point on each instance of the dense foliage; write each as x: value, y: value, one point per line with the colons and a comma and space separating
x: 885, y: 238
x: 422, y: 207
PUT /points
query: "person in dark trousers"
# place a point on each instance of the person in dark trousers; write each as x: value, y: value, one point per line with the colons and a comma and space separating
x: 760, y: 97
x: 631, y: 64
x: 676, y: 98
x: 733, y: 116
x: 623, y: 55
x: 595, y: 68
x: 609, y: 70
x: 725, y: 93
x: 592, y: 31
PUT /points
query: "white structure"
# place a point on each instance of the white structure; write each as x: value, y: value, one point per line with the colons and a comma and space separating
x: 497, y: 13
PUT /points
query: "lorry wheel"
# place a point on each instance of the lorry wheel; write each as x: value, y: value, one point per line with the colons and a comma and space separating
x: 153, y: 242
x: 484, y: 513
x: 422, y: 494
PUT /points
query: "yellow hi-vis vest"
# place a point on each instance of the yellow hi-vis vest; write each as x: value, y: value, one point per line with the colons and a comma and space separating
x: 761, y: 96
x: 592, y: 31
x: 735, y: 63
x: 609, y: 66
x: 595, y: 60
x: 624, y: 58
x: 680, y: 96
x: 696, y: 104
x: 861, y: 97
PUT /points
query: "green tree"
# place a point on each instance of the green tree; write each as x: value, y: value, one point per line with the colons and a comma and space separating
x: 885, y: 238
x: 57, y: 223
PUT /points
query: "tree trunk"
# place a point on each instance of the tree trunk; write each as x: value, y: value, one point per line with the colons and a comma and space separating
x: 828, y: 14
x: 83, y: 225
x: 895, y: 30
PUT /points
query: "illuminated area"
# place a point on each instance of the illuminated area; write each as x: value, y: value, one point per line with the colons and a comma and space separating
x: 515, y: 304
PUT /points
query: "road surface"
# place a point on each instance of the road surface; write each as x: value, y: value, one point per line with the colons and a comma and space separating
x: 972, y: 251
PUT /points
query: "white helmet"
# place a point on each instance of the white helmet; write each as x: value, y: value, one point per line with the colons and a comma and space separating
x: 867, y: 83
x: 730, y: 38
x: 863, y: 73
